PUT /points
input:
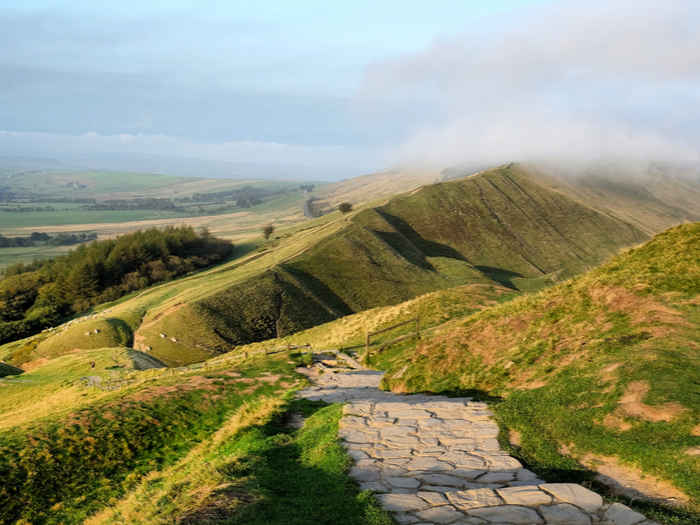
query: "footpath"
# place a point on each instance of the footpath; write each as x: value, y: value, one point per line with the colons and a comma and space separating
x: 436, y: 460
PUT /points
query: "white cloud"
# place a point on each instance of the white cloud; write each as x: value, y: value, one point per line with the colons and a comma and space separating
x: 589, y: 80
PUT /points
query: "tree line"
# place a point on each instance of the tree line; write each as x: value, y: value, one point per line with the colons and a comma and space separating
x: 46, y: 239
x: 43, y: 293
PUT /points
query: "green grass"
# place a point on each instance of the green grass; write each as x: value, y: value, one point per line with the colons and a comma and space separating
x: 297, y: 477
x: 497, y: 228
x: 563, y: 359
x: 77, y: 459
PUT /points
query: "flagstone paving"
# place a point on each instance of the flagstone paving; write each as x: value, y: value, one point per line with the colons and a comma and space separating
x: 436, y: 460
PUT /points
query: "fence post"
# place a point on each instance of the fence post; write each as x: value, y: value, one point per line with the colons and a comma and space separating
x: 417, y: 327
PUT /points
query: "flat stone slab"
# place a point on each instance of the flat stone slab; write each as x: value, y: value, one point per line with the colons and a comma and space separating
x: 436, y: 460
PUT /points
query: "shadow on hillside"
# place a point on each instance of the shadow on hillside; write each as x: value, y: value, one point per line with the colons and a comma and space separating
x: 501, y: 276
x: 473, y: 393
x: 123, y: 329
x: 426, y: 247
x: 318, y: 289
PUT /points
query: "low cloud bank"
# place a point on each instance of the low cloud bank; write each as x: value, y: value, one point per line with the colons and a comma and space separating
x: 568, y: 82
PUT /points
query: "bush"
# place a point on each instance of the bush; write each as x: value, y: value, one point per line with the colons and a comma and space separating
x: 268, y: 230
x: 345, y: 207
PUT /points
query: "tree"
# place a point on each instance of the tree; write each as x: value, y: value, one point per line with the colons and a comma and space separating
x: 345, y: 207
x: 267, y: 231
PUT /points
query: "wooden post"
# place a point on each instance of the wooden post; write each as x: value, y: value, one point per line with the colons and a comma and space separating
x: 366, y: 342
x: 417, y: 327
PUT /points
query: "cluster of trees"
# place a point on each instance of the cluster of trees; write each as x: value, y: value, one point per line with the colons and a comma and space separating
x: 26, y: 209
x: 38, y: 295
x: 134, y: 204
x: 244, y: 197
x: 45, y: 239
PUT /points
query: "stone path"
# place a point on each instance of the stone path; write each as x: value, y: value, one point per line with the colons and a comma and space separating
x: 436, y: 460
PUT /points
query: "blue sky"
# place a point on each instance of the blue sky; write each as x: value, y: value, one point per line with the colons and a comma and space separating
x: 352, y: 85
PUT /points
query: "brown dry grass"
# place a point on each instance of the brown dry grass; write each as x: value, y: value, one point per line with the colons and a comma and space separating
x: 631, y: 404
x: 626, y: 480
x: 641, y: 309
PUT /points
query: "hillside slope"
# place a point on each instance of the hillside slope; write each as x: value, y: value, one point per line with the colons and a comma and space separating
x: 611, y: 358
x: 652, y: 197
x: 498, y: 227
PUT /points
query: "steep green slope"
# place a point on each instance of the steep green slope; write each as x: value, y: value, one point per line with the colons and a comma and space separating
x: 497, y: 227
x: 604, y: 365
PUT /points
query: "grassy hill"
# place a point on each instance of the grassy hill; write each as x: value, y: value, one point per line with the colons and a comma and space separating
x: 603, y: 367
x: 652, y: 197
x: 496, y: 228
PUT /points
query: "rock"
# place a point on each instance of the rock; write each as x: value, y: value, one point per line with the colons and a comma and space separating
x: 163, y: 336
x: 405, y: 483
x: 96, y: 331
x: 564, y: 514
x: 402, y: 502
x: 434, y: 498
x: 574, y: 494
x: 443, y: 514
x: 472, y: 499
x: 620, y: 514
x: 496, y: 477
x: 428, y: 464
x: 441, y: 479
x: 530, y: 496
x: 511, y: 514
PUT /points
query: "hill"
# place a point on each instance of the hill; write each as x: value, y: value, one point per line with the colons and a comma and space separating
x: 653, y: 197
x: 497, y: 228
x: 610, y: 357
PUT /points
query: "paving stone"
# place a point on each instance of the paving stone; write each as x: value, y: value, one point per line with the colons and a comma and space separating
x: 436, y: 460
x: 402, y: 482
x: 523, y: 475
x: 467, y: 473
x: 374, y: 486
x: 574, y: 494
x: 512, y: 514
x: 438, y: 488
x: 404, y: 518
x: 564, y: 514
x: 620, y: 514
x: 428, y: 464
x: 497, y: 477
x: 357, y: 454
x: 441, y: 479
x: 529, y: 496
x: 434, y: 498
x: 402, y: 502
x: 475, y: 498
x: 364, y: 473
x: 444, y: 514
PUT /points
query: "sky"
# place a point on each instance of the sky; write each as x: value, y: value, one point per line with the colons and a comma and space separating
x: 333, y: 89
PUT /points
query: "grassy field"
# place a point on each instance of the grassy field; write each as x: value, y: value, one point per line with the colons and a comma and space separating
x: 138, y: 423
x: 10, y: 256
x: 257, y: 470
x: 603, y: 366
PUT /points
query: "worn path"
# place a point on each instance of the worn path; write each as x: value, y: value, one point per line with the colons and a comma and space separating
x: 434, y: 459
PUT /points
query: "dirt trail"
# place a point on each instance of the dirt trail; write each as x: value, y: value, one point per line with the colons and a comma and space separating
x: 436, y: 460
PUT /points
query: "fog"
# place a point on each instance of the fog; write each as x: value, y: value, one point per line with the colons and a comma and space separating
x: 293, y: 90
x: 570, y: 82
